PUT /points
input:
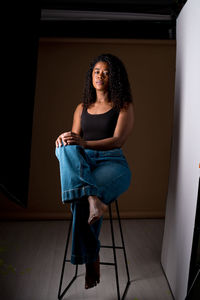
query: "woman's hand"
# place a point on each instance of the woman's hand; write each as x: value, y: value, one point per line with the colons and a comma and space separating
x: 69, y: 138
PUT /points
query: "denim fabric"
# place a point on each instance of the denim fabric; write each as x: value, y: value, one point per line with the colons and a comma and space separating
x: 85, y: 172
x: 85, y: 242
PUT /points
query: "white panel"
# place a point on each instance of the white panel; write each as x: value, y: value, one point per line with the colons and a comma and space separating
x: 185, y: 154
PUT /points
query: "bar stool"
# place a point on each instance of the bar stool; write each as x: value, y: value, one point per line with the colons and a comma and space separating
x: 114, y: 247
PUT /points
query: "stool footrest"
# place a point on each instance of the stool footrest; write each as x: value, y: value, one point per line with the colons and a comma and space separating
x: 101, y: 263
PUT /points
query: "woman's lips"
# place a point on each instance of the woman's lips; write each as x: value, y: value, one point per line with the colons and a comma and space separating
x: 99, y: 82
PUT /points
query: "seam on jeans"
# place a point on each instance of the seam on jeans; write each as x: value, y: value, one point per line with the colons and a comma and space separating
x: 81, y: 169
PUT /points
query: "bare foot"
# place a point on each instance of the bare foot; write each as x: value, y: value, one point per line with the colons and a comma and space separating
x: 97, y: 209
x: 92, y: 276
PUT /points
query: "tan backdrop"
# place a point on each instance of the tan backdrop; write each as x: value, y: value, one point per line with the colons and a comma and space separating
x: 62, y: 64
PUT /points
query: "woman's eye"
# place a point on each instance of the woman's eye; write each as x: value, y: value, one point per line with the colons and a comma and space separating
x: 105, y: 73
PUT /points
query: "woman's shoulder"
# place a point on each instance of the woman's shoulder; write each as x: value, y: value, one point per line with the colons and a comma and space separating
x: 79, y: 107
x: 127, y: 107
x: 78, y: 111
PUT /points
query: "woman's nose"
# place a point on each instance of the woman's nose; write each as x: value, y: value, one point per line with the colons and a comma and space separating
x: 100, y: 74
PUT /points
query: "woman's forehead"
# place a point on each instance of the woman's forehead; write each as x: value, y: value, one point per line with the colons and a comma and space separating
x: 101, y: 65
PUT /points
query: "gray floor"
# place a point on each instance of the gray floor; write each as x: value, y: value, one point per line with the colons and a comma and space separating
x: 31, y: 255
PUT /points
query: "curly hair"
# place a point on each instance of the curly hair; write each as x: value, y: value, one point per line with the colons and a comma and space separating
x: 119, y: 91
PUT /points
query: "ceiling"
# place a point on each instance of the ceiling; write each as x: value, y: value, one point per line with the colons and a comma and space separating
x: 142, y: 19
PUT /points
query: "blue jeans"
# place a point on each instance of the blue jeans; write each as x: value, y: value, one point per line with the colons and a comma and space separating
x: 85, y: 172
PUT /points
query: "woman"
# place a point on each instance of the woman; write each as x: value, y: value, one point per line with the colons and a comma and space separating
x: 93, y: 169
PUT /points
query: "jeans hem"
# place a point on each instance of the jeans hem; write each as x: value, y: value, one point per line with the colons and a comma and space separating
x: 79, y: 192
x: 80, y: 260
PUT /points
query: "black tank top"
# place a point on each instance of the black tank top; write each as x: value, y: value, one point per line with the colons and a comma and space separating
x: 98, y: 126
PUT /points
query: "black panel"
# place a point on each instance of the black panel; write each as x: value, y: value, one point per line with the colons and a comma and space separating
x: 19, y: 77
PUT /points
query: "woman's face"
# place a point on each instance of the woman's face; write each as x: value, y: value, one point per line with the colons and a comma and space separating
x: 100, y: 76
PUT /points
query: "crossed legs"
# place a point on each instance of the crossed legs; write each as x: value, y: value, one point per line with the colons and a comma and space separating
x: 96, y: 178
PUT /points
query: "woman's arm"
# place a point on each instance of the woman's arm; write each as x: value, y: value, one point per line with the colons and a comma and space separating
x: 123, y: 129
x: 76, y: 125
x: 67, y: 137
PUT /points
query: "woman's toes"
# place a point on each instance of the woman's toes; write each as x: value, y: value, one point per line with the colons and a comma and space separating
x: 93, y: 218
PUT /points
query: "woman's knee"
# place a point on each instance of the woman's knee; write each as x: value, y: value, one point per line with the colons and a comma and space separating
x: 67, y: 149
x: 115, y: 186
x: 112, y: 174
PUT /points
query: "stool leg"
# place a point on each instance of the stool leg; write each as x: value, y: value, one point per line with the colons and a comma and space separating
x: 124, y: 250
x: 63, y: 266
x: 114, y: 252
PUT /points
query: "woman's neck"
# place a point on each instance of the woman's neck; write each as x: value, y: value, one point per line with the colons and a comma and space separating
x: 102, y: 97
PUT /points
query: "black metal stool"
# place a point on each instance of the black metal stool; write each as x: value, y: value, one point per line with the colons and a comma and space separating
x: 114, y: 247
